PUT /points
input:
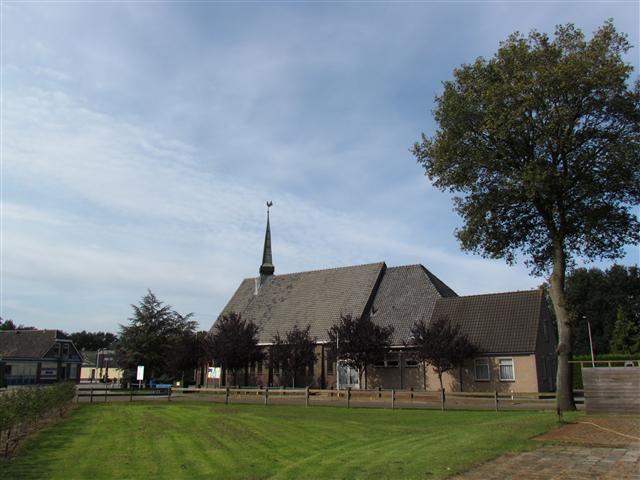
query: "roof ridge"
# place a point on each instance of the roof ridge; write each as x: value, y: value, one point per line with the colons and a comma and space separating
x: 323, y: 270
x: 532, y: 290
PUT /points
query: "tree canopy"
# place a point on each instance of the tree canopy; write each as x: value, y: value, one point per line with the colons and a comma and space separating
x: 441, y: 345
x: 293, y: 353
x: 234, y: 343
x: 153, y: 338
x: 541, y: 145
x: 92, y: 340
x: 9, y: 324
x: 596, y: 295
x: 358, y: 342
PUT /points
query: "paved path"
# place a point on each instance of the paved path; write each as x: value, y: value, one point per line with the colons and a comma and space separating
x: 562, y: 462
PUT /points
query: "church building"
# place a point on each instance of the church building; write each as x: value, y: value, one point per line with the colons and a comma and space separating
x: 512, y: 330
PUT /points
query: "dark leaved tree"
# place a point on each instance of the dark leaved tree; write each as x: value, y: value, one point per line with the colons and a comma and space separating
x: 293, y: 354
x: 541, y: 145
x: 440, y: 345
x: 234, y: 344
x: 153, y: 339
x: 358, y: 342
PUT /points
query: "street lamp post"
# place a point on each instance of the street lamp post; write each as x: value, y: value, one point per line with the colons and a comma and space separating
x: 593, y: 361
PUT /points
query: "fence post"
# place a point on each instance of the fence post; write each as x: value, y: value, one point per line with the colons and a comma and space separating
x: 348, y: 397
x: 411, y: 390
x: 306, y: 396
x: 442, y: 399
x: 266, y: 396
x: 226, y: 396
x: 393, y: 398
x: 495, y: 397
x: 91, y: 395
x: 379, y: 392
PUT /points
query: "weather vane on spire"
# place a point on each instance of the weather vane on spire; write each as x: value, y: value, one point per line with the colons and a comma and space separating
x: 269, y: 205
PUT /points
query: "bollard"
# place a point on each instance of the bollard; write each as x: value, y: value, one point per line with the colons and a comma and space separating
x: 495, y: 397
x: 169, y: 394
x: 442, y: 398
x: 91, y: 395
x: 348, y: 397
x: 266, y: 396
x: 411, y: 390
x: 226, y: 396
x: 306, y: 396
x: 379, y: 392
x: 393, y: 398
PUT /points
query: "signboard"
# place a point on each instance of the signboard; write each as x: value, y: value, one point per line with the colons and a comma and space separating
x: 140, y: 374
x: 214, y: 372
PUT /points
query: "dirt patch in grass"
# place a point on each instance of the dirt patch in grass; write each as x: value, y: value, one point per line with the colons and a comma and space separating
x: 604, y: 430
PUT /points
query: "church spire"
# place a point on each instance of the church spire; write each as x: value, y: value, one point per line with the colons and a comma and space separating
x: 267, y: 267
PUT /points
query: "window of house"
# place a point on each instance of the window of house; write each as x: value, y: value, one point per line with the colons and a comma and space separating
x: 65, y: 350
x: 482, y: 369
x: 505, y: 369
x: 389, y: 360
x: 411, y: 363
x: 56, y: 350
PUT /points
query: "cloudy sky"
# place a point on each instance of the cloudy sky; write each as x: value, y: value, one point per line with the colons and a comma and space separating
x: 140, y: 141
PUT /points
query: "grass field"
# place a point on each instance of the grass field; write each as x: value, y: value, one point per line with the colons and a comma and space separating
x: 198, y: 440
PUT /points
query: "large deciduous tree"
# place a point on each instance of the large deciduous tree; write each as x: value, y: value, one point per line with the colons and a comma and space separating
x: 153, y: 339
x: 440, y: 345
x: 234, y: 344
x: 293, y: 353
x: 358, y: 342
x: 541, y: 145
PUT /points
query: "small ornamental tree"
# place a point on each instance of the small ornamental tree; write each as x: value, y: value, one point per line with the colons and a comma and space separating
x: 234, y: 344
x: 441, y: 345
x: 293, y: 353
x: 358, y: 342
x: 540, y: 145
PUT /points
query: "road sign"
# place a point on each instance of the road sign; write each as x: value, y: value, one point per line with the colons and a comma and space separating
x: 140, y: 375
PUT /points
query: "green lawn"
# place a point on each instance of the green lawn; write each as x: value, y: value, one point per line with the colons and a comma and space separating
x: 252, y: 441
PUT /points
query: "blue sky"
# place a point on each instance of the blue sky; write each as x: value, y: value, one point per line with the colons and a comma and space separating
x: 141, y: 140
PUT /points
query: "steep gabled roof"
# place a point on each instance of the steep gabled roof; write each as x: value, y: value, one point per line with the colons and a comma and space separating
x: 406, y: 295
x: 315, y: 298
x: 499, y: 323
x: 27, y: 343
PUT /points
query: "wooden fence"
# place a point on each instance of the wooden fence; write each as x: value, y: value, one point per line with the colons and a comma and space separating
x: 612, y: 389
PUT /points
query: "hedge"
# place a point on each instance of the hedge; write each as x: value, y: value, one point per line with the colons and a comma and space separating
x: 607, y: 357
x: 22, y: 408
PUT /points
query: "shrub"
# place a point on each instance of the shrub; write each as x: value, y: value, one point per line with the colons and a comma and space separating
x: 21, y: 408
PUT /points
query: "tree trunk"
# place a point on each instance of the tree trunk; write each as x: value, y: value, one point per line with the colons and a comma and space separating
x: 564, y: 386
x: 440, y: 378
